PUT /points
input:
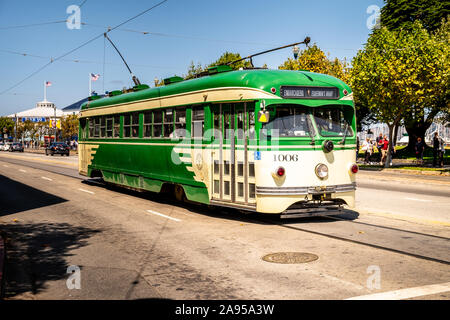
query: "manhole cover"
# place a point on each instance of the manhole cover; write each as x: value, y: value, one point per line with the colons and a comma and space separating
x: 290, y: 257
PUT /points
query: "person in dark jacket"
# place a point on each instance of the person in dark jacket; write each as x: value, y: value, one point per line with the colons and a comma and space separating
x: 438, y: 151
x: 419, y: 147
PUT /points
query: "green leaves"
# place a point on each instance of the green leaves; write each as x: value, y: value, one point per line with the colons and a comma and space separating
x: 400, y: 71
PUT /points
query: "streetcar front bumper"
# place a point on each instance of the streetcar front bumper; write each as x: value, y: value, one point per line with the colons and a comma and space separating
x: 304, y: 199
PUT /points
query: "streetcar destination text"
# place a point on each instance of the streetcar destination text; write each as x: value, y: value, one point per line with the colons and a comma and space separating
x: 293, y: 92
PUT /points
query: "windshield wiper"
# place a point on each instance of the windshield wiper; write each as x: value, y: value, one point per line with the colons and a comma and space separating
x: 345, y: 134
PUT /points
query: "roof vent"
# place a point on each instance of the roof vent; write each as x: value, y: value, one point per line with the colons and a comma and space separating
x: 172, y: 80
x: 115, y: 93
x: 140, y: 87
x: 219, y: 69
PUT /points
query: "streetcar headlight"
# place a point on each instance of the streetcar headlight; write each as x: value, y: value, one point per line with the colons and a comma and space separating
x: 321, y: 171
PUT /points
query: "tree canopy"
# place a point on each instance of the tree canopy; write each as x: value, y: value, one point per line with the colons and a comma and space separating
x: 401, y: 14
x: 401, y: 73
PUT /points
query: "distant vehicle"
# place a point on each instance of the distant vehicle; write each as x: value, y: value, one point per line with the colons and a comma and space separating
x: 6, y: 146
x: 16, y: 146
x: 57, y: 147
x: 1, y: 146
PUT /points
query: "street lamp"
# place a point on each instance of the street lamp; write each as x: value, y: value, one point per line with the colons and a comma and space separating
x: 295, y: 50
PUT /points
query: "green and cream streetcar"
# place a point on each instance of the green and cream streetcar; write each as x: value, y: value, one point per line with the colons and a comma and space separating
x: 268, y: 141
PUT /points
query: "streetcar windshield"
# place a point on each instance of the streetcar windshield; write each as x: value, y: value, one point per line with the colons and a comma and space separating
x: 332, y: 122
x: 288, y: 121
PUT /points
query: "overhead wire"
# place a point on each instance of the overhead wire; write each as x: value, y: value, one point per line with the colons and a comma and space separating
x: 82, y: 45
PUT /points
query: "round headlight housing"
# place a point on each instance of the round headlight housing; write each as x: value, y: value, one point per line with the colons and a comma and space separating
x: 321, y: 171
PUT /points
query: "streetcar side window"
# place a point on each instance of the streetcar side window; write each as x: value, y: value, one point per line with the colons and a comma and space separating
x: 116, y: 126
x: 109, y: 127
x: 91, y: 127
x: 82, y: 128
x: 157, y: 124
x: 198, y: 122
x: 97, y: 127
x: 102, y: 126
x: 148, y: 124
x: 127, y: 126
x: 135, y: 124
x: 168, y: 123
x: 180, y: 123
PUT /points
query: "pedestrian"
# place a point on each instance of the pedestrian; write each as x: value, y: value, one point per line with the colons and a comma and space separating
x: 357, y: 147
x: 367, y: 149
x: 384, y: 149
x: 380, y: 145
x: 437, y: 154
x: 419, y: 147
x: 438, y: 151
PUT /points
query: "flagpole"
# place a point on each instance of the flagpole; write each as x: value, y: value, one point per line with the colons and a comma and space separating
x: 90, y: 85
x: 45, y: 91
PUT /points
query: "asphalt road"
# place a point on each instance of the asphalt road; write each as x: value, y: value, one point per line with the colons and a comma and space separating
x: 130, y: 245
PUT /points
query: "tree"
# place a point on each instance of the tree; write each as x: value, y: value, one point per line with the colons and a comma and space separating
x: 6, y: 124
x: 401, y: 14
x: 398, y: 73
x: 69, y: 126
x: 314, y: 59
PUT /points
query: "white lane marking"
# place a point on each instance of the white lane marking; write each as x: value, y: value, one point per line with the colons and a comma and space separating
x: 163, y: 215
x: 48, y: 179
x: 21, y: 170
x: 415, y: 199
x: 87, y: 191
x: 406, y: 293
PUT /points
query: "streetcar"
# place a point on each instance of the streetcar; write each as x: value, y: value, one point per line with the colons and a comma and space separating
x: 258, y: 140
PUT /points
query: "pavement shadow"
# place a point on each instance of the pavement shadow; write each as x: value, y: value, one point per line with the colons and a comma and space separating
x: 37, y: 252
x: 218, y: 212
x: 17, y: 197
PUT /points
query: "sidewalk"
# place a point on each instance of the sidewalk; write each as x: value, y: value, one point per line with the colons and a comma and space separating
x: 398, y: 166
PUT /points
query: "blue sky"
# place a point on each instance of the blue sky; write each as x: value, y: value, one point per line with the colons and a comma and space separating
x: 193, y: 30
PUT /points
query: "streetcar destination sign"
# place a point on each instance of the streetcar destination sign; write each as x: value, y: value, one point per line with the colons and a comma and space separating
x: 293, y: 92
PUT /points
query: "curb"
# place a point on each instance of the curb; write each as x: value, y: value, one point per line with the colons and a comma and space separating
x: 410, y: 172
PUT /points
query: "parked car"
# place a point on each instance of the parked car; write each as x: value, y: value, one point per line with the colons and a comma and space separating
x: 57, y: 147
x: 16, y: 146
x: 6, y: 146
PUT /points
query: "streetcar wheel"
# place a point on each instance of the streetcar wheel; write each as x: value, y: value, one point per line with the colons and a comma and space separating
x: 179, y: 193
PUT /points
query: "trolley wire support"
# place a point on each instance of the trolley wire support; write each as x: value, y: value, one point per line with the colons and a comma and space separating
x: 306, y: 42
x: 135, y: 79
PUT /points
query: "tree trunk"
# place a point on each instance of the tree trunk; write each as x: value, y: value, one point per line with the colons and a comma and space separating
x: 414, y: 132
x: 394, y: 140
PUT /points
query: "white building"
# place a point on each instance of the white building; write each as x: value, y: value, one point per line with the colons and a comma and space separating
x: 44, y: 111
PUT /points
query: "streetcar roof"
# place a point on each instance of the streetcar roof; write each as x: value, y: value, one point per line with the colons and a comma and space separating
x: 263, y: 80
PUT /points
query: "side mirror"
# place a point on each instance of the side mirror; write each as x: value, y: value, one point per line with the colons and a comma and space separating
x: 263, y: 116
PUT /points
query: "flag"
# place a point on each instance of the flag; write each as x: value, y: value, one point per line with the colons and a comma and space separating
x: 48, y: 83
x: 94, y: 77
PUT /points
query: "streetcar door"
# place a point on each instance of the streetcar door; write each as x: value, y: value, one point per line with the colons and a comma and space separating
x: 223, y: 152
x: 232, y: 168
